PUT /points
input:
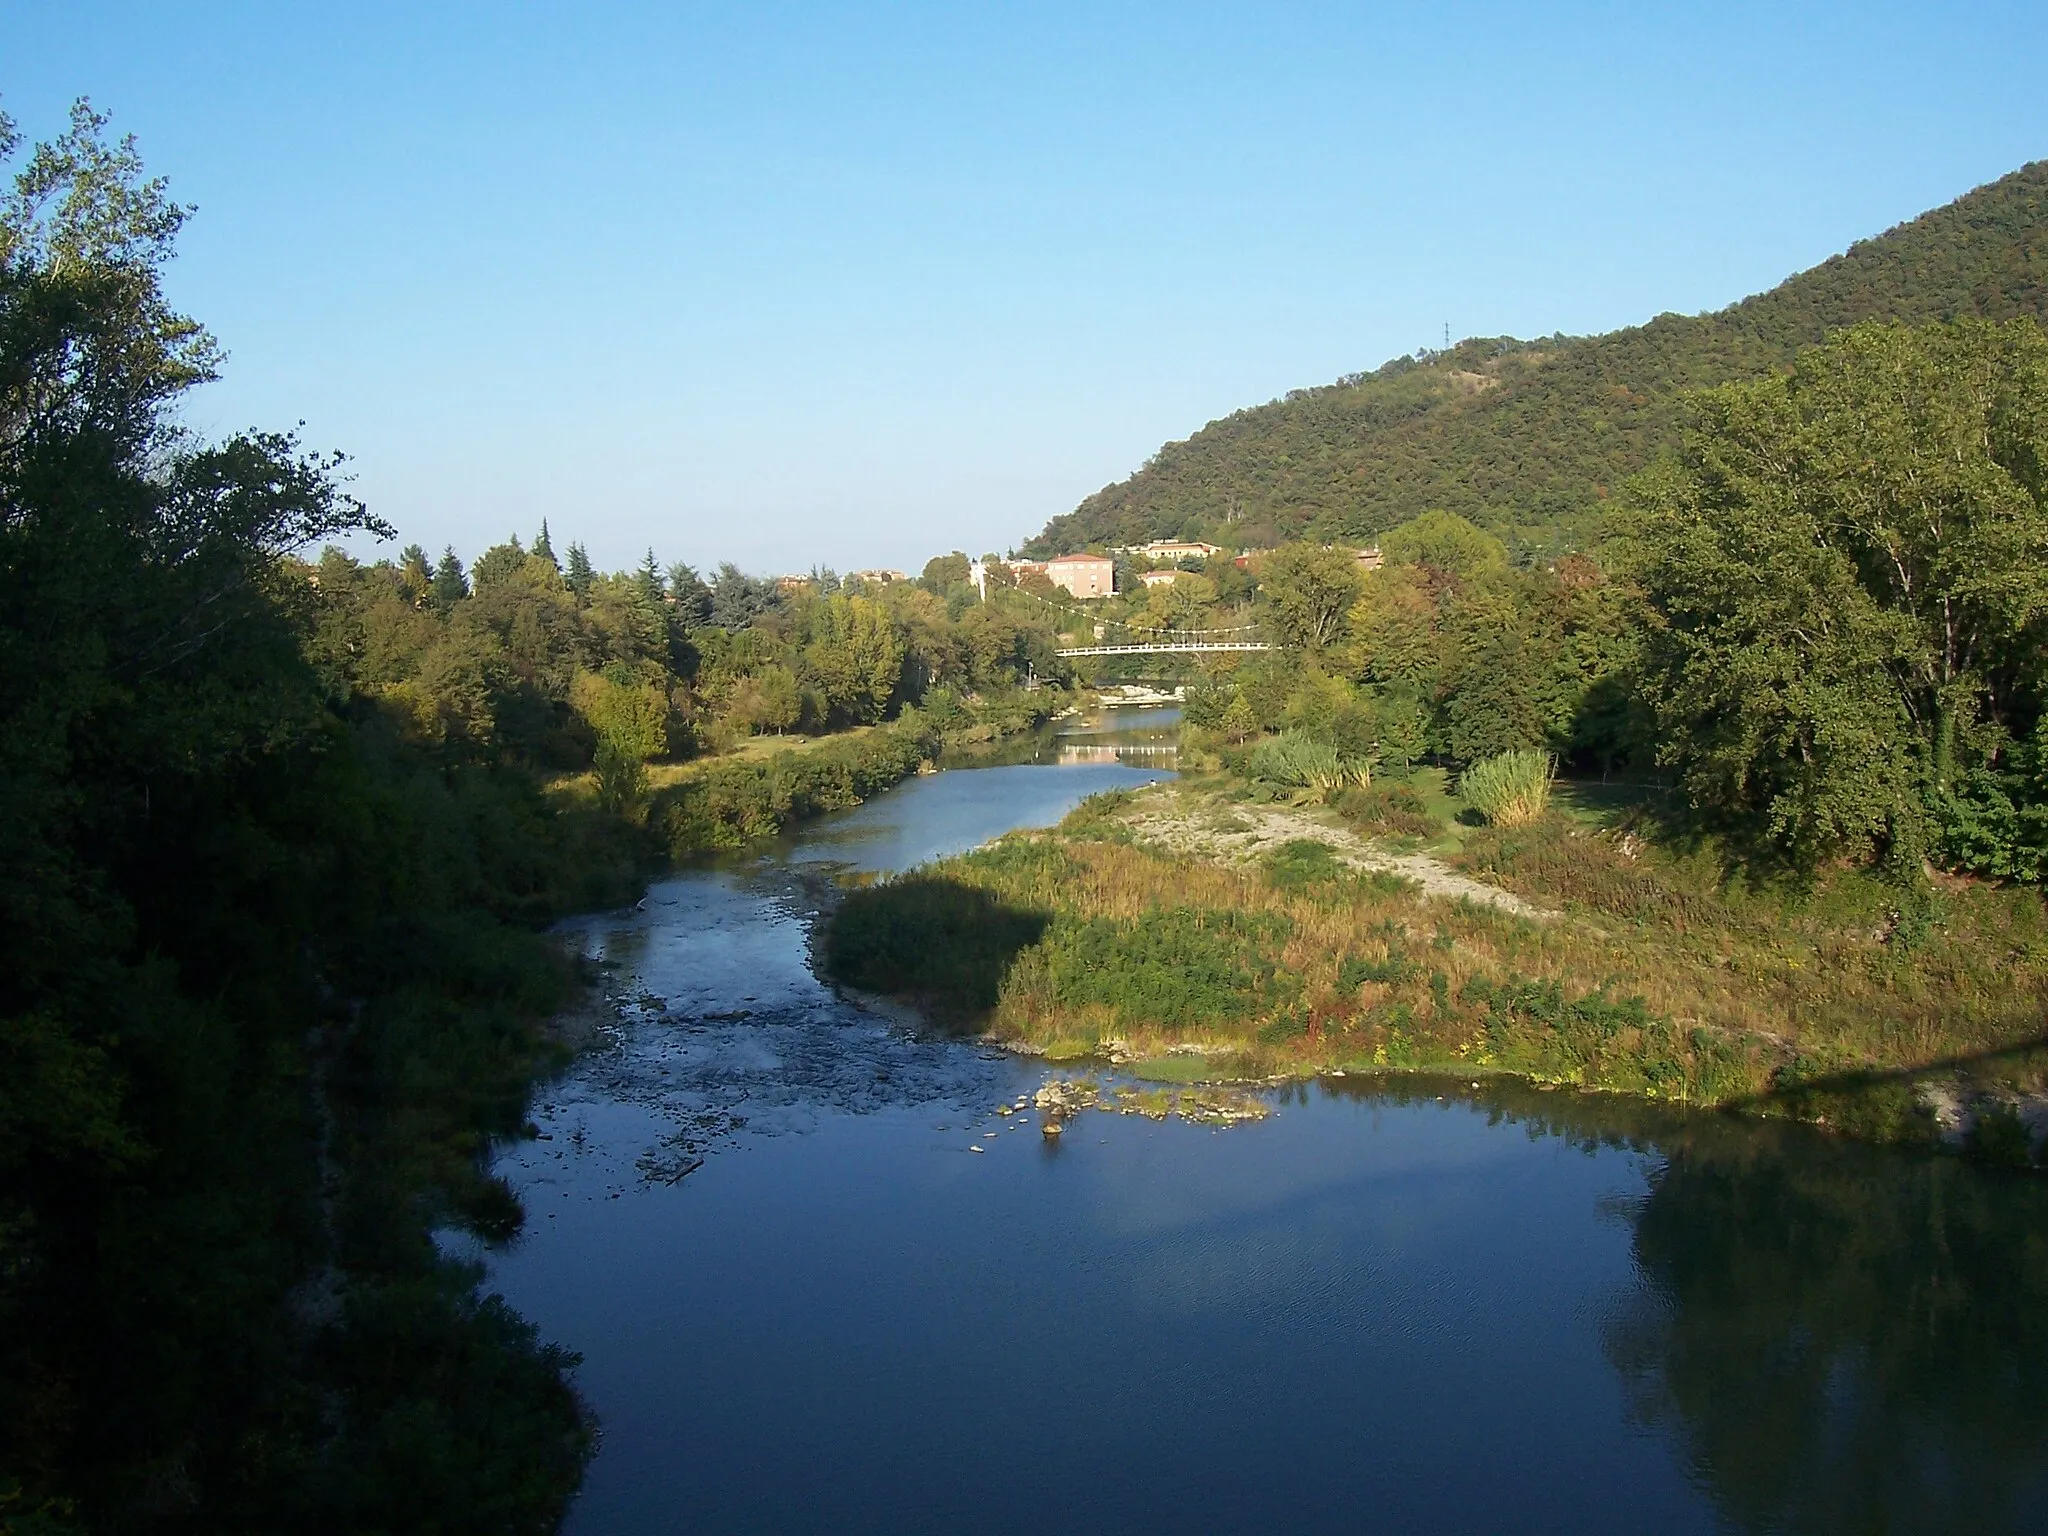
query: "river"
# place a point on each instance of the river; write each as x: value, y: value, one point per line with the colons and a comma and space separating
x: 818, y: 1285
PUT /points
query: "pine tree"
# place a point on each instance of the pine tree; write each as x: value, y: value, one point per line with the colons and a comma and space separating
x: 451, y: 586
x: 692, y: 597
x: 651, y: 582
x: 543, y: 547
x: 577, y: 578
x: 415, y: 573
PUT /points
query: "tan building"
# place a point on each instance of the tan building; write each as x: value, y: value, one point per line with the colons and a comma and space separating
x: 1176, y: 549
x: 1083, y: 575
x: 1164, y: 578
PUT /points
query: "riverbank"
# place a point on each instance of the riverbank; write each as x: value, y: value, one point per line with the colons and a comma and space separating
x: 767, y: 784
x: 1184, y: 924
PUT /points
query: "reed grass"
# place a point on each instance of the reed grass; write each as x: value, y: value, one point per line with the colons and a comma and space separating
x: 1511, y: 789
x: 1299, y: 761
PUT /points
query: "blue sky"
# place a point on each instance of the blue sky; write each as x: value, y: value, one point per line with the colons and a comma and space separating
x: 796, y: 284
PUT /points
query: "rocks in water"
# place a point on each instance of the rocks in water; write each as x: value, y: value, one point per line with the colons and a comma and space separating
x: 1051, y: 1128
x: 1061, y: 1099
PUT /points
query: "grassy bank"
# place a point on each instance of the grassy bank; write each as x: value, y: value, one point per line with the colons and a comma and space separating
x: 1657, y: 979
x: 730, y: 801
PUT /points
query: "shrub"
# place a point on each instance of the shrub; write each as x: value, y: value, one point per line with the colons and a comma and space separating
x: 1394, y: 808
x: 1302, y: 762
x: 1511, y: 789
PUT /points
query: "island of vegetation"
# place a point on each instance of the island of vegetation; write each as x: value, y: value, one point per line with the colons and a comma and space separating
x: 1800, y: 680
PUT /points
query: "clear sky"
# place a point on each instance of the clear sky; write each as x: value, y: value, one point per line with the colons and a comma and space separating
x: 796, y: 284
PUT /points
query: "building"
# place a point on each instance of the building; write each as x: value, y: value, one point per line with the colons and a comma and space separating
x: 1083, y: 575
x: 881, y: 576
x: 1165, y: 578
x: 1371, y: 559
x: 1176, y: 549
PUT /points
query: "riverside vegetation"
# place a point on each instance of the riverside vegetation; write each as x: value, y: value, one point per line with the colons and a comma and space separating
x: 1813, y: 641
x: 279, y: 839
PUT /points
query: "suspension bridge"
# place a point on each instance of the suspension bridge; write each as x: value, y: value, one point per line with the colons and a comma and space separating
x: 1122, y: 637
x: 1185, y: 647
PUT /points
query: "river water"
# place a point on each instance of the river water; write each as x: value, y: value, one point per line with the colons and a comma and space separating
x: 818, y: 1285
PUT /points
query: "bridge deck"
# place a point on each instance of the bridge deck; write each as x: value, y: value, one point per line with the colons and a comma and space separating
x: 1187, y: 648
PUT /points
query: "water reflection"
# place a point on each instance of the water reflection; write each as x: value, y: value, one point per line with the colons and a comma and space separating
x: 1842, y: 1337
x: 873, y: 1304
x: 1848, y: 1339
x: 1147, y: 737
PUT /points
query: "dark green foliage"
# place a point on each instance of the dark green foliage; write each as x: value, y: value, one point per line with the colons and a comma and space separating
x: 1355, y: 971
x: 1531, y: 438
x: 1302, y: 862
x: 940, y: 944
x: 1847, y: 581
x: 1394, y: 809
x: 265, y: 988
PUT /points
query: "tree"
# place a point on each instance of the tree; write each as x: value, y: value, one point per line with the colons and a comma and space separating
x: 692, y: 598
x: 543, y: 547
x: 578, y: 573
x: 767, y: 700
x: 737, y: 599
x: 1848, y: 574
x: 1308, y: 593
x: 415, y: 574
x: 1446, y: 543
x: 650, y: 578
x: 498, y: 565
x: 451, y: 585
x: 1238, y: 721
x: 856, y: 656
x: 629, y: 716
x: 943, y: 571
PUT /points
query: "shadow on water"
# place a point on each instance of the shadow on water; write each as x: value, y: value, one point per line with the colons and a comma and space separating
x: 1843, y: 1337
x: 1882, y: 1102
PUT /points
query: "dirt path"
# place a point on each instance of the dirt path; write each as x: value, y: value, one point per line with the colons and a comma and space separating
x: 1171, y: 818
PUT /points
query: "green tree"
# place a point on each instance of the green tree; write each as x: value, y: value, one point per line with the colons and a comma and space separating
x: 856, y: 656
x: 766, y: 700
x: 652, y: 585
x: 1307, y: 593
x: 1848, y: 570
x: 1446, y: 543
x: 577, y: 574
x: 451, y: 583
x: 628, y: 714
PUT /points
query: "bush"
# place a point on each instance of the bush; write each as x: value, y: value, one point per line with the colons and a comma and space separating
x: 1301, y: 762
x: 1511, y: 789
x: 1394, y: 808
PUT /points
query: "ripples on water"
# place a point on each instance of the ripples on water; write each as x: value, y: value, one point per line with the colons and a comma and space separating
x: 804, y: 1304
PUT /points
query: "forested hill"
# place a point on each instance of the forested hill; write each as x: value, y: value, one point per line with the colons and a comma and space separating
x: 1528, y: 437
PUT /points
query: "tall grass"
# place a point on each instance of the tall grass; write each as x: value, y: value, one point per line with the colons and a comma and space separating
x: 1510, y: 790
x: 1667, y: 988
x: 1299, y: 761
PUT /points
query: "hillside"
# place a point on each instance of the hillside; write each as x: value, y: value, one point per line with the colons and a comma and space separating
x: 1527, y: 437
